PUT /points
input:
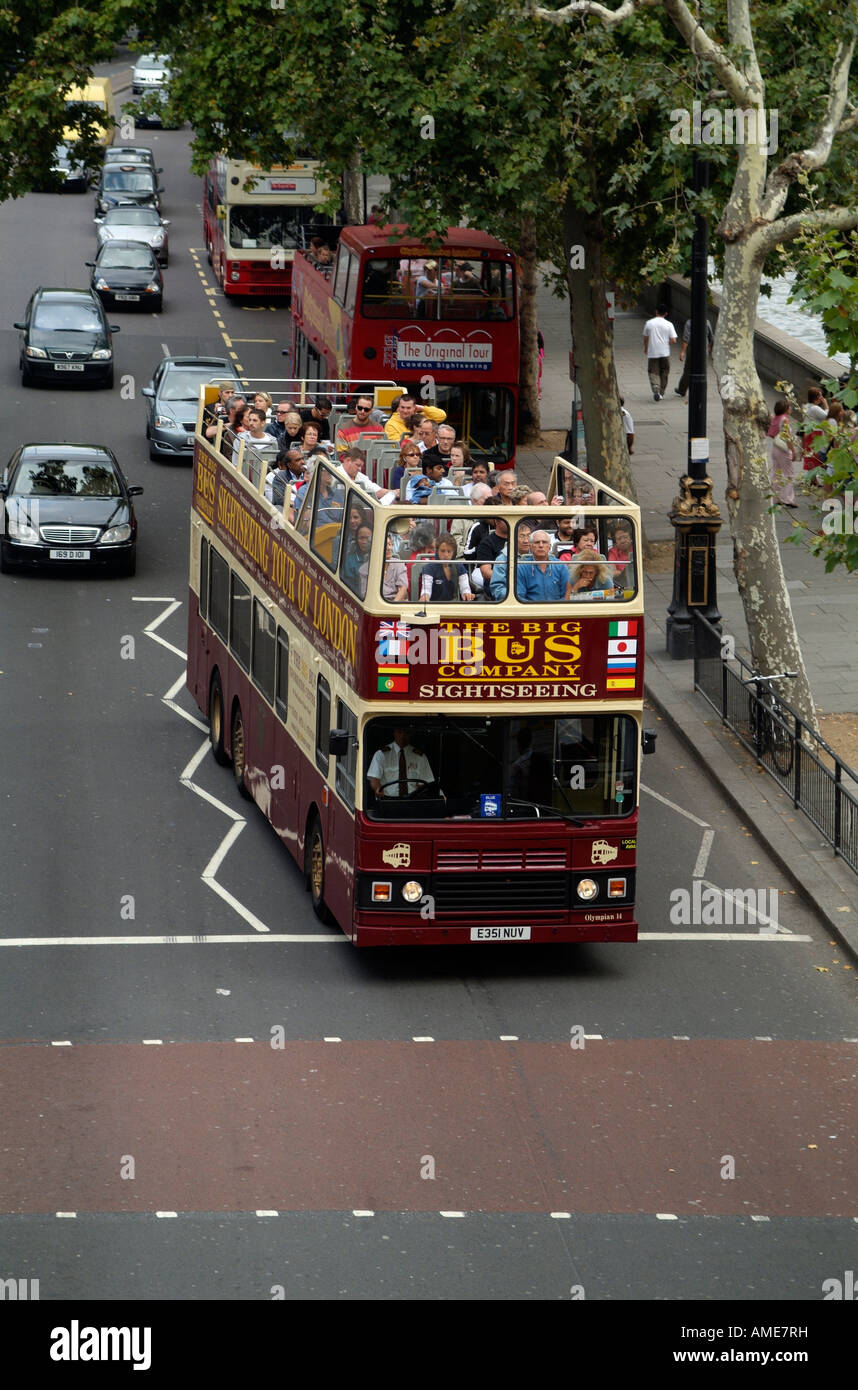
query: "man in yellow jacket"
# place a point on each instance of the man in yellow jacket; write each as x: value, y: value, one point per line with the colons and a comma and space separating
x: 403, y: 420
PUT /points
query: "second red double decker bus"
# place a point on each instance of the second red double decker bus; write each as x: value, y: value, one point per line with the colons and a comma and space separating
x: 443, y: 323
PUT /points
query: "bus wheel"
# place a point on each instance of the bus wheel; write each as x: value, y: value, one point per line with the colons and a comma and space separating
x: 209, y: 250
x: 216, y: 721
x: 316, y: 871
x: 239, y: 760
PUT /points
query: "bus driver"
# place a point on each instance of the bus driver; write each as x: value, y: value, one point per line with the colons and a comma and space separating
x: 399, y: 769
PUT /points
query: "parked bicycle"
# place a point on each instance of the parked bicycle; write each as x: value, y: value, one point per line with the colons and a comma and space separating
x: 769, y: 721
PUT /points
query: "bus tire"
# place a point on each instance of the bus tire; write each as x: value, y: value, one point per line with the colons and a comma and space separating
x: 315, y: 860
x: 239, y: 752
x: 216, y: 721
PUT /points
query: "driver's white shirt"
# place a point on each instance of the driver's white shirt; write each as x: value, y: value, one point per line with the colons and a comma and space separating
x: 385, y: 766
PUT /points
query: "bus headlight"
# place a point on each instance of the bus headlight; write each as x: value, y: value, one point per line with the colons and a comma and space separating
x: 412, y: 891
x: 587, y: 888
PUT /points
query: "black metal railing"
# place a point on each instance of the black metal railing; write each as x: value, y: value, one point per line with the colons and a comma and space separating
x: 818, y: 781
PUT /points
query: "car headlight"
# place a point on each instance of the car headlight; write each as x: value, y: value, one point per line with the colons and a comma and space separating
x: 158, y: 239
x: 23, y: 531
x: 412, y: 891
x: 102, y: 355
x: 587, y: 889
x: 35, y: 352
x: 117, y: 534
x: 101, y: 283
x: 154, y: 288
x: 165, y: 422
x: 105, y: 233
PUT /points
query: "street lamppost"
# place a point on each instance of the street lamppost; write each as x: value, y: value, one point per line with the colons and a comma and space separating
x: 695, y: 516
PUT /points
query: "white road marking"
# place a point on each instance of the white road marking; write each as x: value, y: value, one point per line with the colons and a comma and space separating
x: 63, y: 1043
x: 703, y: 854
x: 363, y: 1213
x: 452, y: 1214
x: 508, y: 1037
x: 202, y: 940
x: 717, y: 936
x: 666, y: 1216
x: 761, y: 1218
x: 560, y: 1215
x: 673, y: 806
x: 332, y: 1040
x: 165, y: 1215
x: 165, y: 350
x: 422, y: 1039
x: 243, y: 1040
x: 67, y: 1215
x: 267, y: 1213
x: 153, y: 1042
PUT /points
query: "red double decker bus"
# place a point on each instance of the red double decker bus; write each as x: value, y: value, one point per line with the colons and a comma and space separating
x: 449, y: 750
x: 253, y: 219
x: 443, y: 322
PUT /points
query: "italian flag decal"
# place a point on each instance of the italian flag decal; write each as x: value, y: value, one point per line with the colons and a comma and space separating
x: 622, y: 656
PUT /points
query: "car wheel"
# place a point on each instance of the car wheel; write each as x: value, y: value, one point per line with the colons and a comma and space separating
x: 239, y: 753
x: 209, y: 252
x: 5, y: 567
x: 108, y: 380
x: 128, y: 565
x: 154, y: 454
x: 216, y: 721
x: 315, y: 870
x: 26, y: 375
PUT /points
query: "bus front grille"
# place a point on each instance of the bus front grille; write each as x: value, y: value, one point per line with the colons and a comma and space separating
x: 493, y: 893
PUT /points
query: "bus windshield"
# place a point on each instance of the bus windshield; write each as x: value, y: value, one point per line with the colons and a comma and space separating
x: 489, y: 768
x: 253, y: 226
x: 426, y: 288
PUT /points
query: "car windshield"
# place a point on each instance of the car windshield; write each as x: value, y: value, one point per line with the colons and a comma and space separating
x: 500, y: 768
x: 152, y: 60
x: 128, y: 180
x: 66, y: 478
x: 133, y: 217
x: 184, y: 385
x: 125, y: 258
x: 73, y: 318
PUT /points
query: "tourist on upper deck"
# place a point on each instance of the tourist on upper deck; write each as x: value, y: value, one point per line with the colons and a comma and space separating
x: 488, y: 551
x: 500, y: 576
x: 409, y: 457
x: 355, y: 568
x: 621, y: 554
x: 444, y: 440
x: 394, y: 585
x: 590, y: 577
x: 541, y: 579
x: 401, y: 419
x: 432, y: 479
x: 319, y: 413
x: 446, y: 579
x: 363, y: 427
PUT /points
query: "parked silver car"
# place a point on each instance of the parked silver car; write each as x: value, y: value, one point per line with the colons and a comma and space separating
x: 150, y: 70
x: 173, y: 401
x: 135, y: 224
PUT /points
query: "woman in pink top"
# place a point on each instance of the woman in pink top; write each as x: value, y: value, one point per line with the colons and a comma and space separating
x: 782, y: 455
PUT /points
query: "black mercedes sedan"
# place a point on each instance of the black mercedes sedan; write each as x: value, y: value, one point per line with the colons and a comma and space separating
x: 67, y: 504
x: 65, y: 336
x: 127, y: 274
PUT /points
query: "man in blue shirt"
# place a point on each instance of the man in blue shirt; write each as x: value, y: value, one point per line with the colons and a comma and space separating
x: 542, y: 580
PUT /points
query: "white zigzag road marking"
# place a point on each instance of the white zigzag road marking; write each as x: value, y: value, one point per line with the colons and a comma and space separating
x: 209, y: 873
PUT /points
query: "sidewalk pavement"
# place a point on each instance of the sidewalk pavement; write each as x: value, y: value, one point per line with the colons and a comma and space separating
x: 822, y: 605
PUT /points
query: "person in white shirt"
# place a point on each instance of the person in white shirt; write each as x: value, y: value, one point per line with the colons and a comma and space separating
x: 658, y: 334
x: 628, y: 426
x: 399, y: 769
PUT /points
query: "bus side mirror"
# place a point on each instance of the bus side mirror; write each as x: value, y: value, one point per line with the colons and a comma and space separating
x: 338, y: 742
x: 220, y: 213
x: 648, y: 739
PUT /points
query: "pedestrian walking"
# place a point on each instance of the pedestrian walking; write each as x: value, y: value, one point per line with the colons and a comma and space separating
x: 686, y: 360
x: 783, y: 452
x: 658, y: 334
x: 628, y: 425
x: 540, y: 351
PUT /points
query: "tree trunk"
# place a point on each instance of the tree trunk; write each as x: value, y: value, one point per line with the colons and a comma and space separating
x: 353, y: 191
x: 756, y: 552
x: 528, y: 410
x: 593, y: 339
